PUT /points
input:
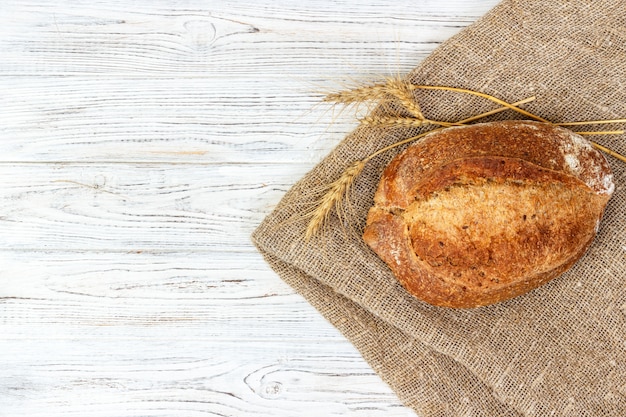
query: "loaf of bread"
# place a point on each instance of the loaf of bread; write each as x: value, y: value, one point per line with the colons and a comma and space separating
x: 474, y: 215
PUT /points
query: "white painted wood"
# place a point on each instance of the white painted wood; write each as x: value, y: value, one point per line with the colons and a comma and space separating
x: 138, y: 207
x: 140, y: 144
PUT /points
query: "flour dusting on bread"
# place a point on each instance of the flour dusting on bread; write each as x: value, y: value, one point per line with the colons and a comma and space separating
x: 575, y: 149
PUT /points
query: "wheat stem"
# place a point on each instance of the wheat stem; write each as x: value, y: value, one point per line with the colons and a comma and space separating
x: 610, y: 152
x: 591, y: 122
x: 501, y: 109
x: 601, y: 132
x: 487, y: 96
x: 400, y: 143
x: 461, y: 122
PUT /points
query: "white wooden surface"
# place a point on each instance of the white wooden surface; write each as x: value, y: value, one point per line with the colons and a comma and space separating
x: 140, y: 144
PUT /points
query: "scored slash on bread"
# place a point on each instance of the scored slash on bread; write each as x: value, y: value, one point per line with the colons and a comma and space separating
x: 474, y: 215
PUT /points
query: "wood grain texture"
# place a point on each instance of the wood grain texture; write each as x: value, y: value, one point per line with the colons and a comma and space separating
x: 140, y: 145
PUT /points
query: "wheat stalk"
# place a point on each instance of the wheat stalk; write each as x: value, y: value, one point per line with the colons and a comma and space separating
x: 501, y: 109
x: 601, y: 132
x: 591, y: 122
x: 609, y: 151
x: 483, y: 95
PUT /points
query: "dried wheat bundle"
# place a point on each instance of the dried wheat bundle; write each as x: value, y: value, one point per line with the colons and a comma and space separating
x: 400, y: 93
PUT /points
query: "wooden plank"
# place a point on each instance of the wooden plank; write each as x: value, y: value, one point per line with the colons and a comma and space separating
x: 182, y: 120
x: 171, y: 337
x: 212, y: 296
x: 225, y: 38
x: 138, y: 207
x: 192, y: 378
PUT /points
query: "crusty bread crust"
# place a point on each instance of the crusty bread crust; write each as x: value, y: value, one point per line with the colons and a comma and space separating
x: 475, y: 215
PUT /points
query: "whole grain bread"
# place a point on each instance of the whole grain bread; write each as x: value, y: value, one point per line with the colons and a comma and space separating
x: 475, y: 215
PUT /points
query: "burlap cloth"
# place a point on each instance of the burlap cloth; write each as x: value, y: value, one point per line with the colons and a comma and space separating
x: 559, y: 350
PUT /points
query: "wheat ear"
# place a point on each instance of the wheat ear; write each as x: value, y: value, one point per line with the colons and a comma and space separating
x: 333, y: 198
x: 402, y: 90
x: 387, y: 121
x: 359, y: 94
x: 393, y: 87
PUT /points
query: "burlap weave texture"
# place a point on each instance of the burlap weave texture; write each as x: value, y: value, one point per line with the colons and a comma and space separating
x: 559, y: 350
